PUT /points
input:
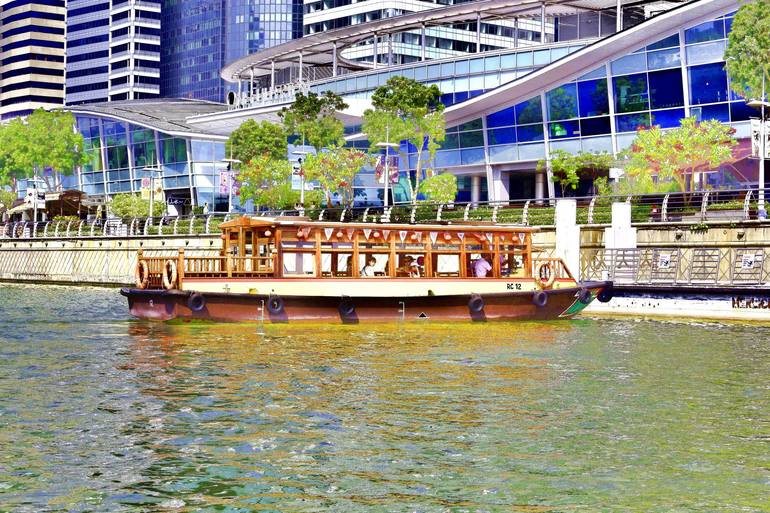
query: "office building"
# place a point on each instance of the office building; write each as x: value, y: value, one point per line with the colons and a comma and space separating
x: 201, y: 36
x: 88, y: 51
x: 134, y: 49
x: 31, y: 56
x: 113, y: 50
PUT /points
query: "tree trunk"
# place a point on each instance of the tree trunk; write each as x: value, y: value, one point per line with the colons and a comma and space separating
x: 417, y: 171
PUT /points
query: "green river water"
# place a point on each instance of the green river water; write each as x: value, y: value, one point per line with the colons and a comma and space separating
x: 99, y: 412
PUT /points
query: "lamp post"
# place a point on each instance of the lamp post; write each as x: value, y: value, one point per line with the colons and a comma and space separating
x: 762, y: 137
x: 387, y: 145
x: 152, y: 171
x: 230, y: 165
x: 34, y: 197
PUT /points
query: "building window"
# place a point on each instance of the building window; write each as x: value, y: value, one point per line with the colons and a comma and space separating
x: 529, y: 111
x: 631, y: 93
x: 708, y: 83
x: 562, y: 102
x: 667, y: 118
x: 592, y: 97
x: 666, y: 89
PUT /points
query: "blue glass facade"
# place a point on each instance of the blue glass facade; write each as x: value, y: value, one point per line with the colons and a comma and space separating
x: 119, y: 154
x: 200, y: 36
x: 193, y: 49
x: 677, y: 76
x: 602, y: 110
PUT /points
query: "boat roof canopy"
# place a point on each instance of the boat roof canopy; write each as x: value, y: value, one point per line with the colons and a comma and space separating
x: 249, y: 222
x: 301, y: 222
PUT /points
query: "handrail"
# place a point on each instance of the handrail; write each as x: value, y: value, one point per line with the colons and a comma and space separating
x: 712, y: 266
x: 729, y: 205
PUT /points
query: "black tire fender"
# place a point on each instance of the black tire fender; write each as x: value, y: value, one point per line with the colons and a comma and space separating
x: 196, y: 302
x: 540, y: 299
x: 347, y: 308
x: 275, y: 304
x: 584, y: 296
x: 606, y: 295
x: 476, y: 303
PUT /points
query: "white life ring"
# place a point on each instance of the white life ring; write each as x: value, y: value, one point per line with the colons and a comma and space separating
x: 544, y: 275
x: 142, y: 274
x: 169, y: 274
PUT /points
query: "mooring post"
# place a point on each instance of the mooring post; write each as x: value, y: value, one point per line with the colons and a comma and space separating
x: 568, y: 235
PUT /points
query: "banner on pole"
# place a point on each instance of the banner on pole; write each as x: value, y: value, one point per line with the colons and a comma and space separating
x: 758, y: 146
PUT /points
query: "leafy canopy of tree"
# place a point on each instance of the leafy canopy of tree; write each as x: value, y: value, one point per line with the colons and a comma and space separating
x: 133, y: 205
x: 45, y: 139
x: 253, y: 139
x: 440, y: 188
x: 747, y: 57
x: 568, y: 169
x: 335, y: 171
x: 6, y: 199
x: 657, y: 158
x: 406, y: 110
x: 312, y: 118
x: 267, y: 181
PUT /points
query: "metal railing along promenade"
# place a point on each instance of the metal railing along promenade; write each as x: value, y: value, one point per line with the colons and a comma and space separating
x: 688, y: 208
x: 666, y: 266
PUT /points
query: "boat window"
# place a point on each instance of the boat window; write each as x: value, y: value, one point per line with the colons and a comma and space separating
x: 411, y: 265
x: 379, y: 268
x: 446, y: 265
x: 337, y: 265
x: 298, y: 264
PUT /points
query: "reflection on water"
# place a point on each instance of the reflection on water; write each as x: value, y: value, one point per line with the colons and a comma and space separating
x: 102, y: 413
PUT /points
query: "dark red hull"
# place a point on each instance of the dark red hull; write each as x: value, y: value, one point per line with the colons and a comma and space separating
x: 166, y: 305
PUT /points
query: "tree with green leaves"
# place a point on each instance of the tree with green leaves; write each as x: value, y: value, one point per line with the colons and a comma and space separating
x: 267, y: 181
x: 672, y: 156
x: 439, y: 188
x: 312, y: 118
x: 129, y: 205
x: 567, y: 169
x: 747, y: 57
x: 11, y: 138
x: 253, y: 139
x: 44, y: 140
x: 406, y: 110
x: 335, y: 170
x: 7, y: 198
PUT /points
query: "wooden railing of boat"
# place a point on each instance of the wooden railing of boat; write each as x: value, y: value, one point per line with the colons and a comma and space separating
x: 203, y: 267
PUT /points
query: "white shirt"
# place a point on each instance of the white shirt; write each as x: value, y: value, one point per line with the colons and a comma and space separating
x: 368, y: 270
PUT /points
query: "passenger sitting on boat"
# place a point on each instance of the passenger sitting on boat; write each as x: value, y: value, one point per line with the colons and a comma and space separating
x: 504, y: 268
x: 368, y: 270
x: 481, y: 267
x: 410, y: 268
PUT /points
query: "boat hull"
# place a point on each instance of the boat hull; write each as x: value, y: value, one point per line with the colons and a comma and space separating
x: 166, y: 305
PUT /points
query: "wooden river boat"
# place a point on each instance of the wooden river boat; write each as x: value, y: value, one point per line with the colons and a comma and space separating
x: 291, y: 269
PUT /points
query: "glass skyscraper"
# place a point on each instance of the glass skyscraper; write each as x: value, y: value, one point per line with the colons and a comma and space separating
x: 201, y: 36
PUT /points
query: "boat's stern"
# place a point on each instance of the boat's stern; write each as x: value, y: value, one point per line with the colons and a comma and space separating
x: 158, y: 305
